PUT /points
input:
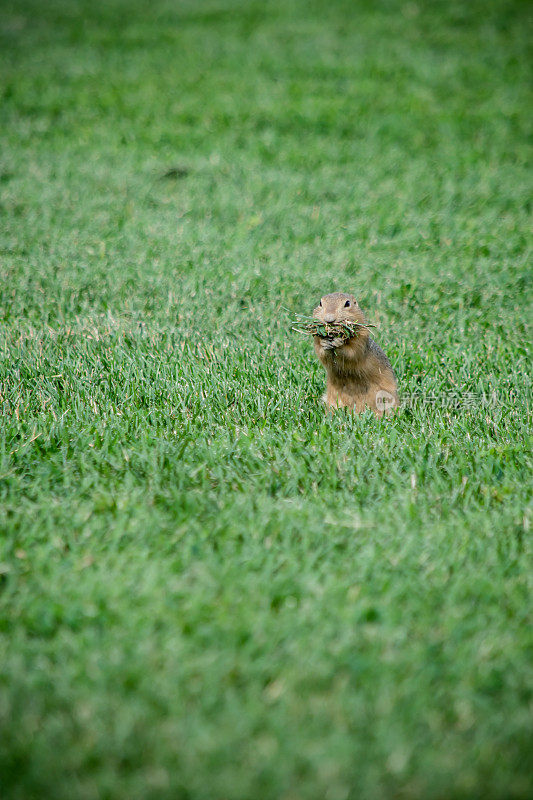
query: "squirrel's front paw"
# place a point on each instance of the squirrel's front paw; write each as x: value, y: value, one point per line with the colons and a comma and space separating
x: 331, y: 344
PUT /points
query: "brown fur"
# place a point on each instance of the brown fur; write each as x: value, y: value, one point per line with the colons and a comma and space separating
x: 357, y: 370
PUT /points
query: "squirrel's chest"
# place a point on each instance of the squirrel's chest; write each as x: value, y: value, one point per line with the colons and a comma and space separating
x: 348, y: 376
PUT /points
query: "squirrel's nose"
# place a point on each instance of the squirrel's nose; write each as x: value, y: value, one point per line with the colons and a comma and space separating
x: 329, y: 317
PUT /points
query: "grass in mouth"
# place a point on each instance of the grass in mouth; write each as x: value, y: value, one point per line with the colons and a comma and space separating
x: 344, y: 330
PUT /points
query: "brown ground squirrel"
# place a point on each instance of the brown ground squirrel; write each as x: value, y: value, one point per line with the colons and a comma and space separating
x: 359, y: 374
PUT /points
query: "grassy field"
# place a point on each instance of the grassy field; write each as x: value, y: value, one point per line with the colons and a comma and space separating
x: 209, y: 589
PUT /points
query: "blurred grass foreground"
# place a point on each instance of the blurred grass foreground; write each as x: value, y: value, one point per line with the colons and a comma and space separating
x: 210, y: 589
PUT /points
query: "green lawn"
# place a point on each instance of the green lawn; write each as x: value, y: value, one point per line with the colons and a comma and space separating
x: 209, y: 588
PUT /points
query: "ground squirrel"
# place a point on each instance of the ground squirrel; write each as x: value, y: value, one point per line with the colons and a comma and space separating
x: 359, y: 374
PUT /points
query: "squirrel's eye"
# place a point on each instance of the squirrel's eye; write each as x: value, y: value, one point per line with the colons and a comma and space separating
x: 320, y: 304
x: 347, y: 304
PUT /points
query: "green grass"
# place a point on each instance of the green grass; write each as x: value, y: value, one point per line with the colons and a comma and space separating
x: 209, y: 588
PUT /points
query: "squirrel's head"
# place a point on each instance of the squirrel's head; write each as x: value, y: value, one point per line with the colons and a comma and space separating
x: 339, y: 307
